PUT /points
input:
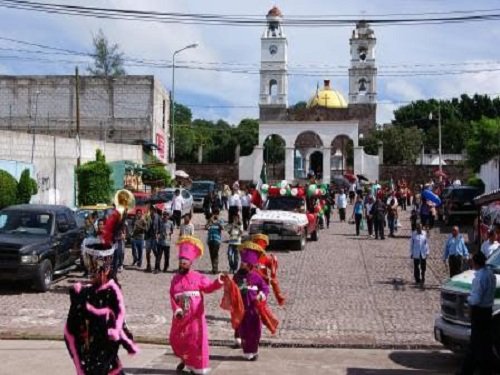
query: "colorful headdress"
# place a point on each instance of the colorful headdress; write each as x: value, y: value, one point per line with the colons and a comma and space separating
x: 97, y: 256
x: 190, y: 247
x: 250, y: 252
x: 261, y: 239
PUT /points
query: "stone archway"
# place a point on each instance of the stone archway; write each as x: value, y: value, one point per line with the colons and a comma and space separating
x: 306, y: 144
x: 274, y: 157
x: 342, y: 155
x: 316, y: 163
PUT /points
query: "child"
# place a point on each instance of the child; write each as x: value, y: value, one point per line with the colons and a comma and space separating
x: 95, y: 327
x: 164, y: 237
x: 214, y: 238
x: 187, y: 228
x: 414, y: 220
x: 235, y: 231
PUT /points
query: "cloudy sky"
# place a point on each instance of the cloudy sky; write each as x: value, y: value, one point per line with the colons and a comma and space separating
x: 232, y: 96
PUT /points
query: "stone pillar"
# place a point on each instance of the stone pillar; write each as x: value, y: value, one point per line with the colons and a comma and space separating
x: 380, y: 152
x: 200, y: 154
x: 258, y: 161
x: 289, y: 163
x: 358, y: 160
x: 326, y: 164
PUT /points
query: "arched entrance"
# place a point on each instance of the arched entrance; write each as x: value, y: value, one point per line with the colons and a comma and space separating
x: 307, y: 144
x: 342, y: 155
x: 274, y: 157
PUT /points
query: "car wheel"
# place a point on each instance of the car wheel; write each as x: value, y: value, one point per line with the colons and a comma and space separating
x: 44, y: 276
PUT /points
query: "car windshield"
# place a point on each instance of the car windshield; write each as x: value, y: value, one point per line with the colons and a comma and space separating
x: 165, y: 195
x: 199, y: 187
x: 285, y: 204
x: 141, y: 201
x: 494, y: 261
x: 16, y: 222
x: 464, y: 195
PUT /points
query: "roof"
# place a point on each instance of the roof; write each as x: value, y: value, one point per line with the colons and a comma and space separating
x: 486, y: 198
x: 37, y: 207
x: 327, y: 98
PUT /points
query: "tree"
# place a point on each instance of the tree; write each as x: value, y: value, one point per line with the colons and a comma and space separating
x: 247, y: 135
x: 484, y: 142
x: 26, y: 187
x: 183, y: 114
x: 157, y: 176
x: 401, y: 145
x: 108, y: 60
x: 8, y: 189
x: 94, y: 181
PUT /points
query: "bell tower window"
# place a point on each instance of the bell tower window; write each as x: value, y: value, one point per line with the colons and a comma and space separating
x: 273, y: 89
x: 362, y: 86
x: 362, y: 53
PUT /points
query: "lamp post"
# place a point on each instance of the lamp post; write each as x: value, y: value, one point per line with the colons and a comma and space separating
x: 172, y: 101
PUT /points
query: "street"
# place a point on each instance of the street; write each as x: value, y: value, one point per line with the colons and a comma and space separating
x: 343, y: 292
x: 50, y: 357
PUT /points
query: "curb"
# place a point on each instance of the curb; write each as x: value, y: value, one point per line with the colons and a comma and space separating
x: 229, y: 343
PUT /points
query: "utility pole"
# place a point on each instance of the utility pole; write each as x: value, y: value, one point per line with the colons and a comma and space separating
x: 440, y: 151
x: 77, y: 97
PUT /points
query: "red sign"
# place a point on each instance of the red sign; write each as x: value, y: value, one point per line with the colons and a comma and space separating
x: 160, y: 142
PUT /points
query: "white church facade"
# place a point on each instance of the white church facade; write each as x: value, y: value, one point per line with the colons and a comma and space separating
x: 315, y: 136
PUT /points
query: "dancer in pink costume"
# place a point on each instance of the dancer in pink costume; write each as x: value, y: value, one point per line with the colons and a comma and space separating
x: 189, y: 332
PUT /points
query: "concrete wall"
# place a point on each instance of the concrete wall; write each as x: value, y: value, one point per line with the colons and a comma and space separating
x: 490, y: 174
x: 419, y: 174
x: 54, y: 161
x: 122, y: 110
x: 220, y: 173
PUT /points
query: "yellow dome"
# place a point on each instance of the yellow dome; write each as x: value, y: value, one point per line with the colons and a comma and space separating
x: 328, y: 98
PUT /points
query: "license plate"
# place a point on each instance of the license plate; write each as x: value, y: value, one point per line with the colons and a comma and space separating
x: 273, y: 237
x: 438, y: 335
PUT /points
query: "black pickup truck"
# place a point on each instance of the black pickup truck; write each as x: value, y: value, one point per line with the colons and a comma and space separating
x: 38, y: 242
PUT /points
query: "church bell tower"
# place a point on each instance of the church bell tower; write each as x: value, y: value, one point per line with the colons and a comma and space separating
x: 273, y: 66
x: 363, y: 72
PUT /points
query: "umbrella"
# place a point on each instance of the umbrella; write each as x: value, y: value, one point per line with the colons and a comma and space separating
x: 181, y: 174
x: 362, y: 177
x: 350, y: 177
x: 341, y: 181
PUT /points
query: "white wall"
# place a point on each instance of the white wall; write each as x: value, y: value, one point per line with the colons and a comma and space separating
x: 490, y: 174
x: 54, y: 161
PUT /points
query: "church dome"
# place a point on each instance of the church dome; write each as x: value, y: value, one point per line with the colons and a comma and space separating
x: 274, y: 12
x: 327, y: 98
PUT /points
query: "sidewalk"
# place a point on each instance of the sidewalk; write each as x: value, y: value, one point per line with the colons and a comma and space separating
x: 50, y: 357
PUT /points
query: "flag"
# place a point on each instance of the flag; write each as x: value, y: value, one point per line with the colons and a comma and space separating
x: 262, y: 177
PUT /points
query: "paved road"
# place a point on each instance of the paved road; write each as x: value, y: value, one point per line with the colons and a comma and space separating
x: 342, y: 291
x: 50, y: 357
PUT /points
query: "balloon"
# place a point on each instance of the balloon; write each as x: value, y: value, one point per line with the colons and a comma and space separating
x: 430, y: 196
x: 264, y: 188
x: 294, y: 192
x: 282, y: 191
x: 311, y: 190
x: 283, y: 184
x: 323, y: 191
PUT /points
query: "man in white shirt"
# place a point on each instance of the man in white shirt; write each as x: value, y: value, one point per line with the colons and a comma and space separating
x: 177, y: 205
x: 234, y: 205
x: 246, y: 202
x: 342, y: 204
x: 490, y: 245
x: 419, y: 250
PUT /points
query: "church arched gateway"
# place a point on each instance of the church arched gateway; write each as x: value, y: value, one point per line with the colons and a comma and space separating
x: 309, y: 132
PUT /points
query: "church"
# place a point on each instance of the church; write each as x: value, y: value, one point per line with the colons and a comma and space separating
x: 322, y: 136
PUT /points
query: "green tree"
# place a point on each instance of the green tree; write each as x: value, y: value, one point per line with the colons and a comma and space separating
x: 247, y: 135
x: 94, y: 181
x: 274, y: 149
x: 157, y: 176
x: 183, y: 114
x: 108, y: 60
x: 484, y: 142
x: 8, y: 189
x: 26, y: 187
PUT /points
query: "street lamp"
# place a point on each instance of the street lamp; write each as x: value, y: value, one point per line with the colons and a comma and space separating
x: 172, y: 100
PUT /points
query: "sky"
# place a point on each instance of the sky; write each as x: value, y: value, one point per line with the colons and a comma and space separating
x: 231, y: 96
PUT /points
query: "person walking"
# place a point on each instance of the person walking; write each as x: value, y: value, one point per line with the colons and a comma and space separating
x: 164, y: 238
x: 479, y: 354
x: 357, y: 213
x: 189, y: 330
x: 419, y: 250
x: 392, y: 216
x: 352, y: 192
x: 234, y: 205
x: 342, y: 204
x: 152, y: 231
x: 235, y: 230
x: 329, y: 202
x: 226, y: 193
x: 138, y: 232
x: 378, y: 212
x: 177, y: 206
x: 490, y: 245
x: 187, y: 227
x: 369, y: 217
x: 208, y: 202
x: 246, y: 202
x: 214, y: 239
x: 425, y: 213
x: 455, y: 251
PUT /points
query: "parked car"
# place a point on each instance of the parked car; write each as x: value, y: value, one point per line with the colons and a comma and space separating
x: 458, y: 203
x: 199, y: 189
x: 287, y: 221
x: 38, y: 242
x: 164, y: 198
x: 452, y: 327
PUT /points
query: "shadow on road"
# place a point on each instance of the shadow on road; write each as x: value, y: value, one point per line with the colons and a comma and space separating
x: 149, y: 371
x: 429, y: 361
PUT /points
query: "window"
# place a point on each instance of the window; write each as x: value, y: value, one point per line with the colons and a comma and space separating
x: 185, y: 194
x: 362, y: 85
x: 273, y: 88
x: 362, y: 53
x: 62, y: 222
x: 163, y: 113
x: 15, y: 222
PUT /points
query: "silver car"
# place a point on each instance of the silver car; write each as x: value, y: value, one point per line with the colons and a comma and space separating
x: 165, y: 197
